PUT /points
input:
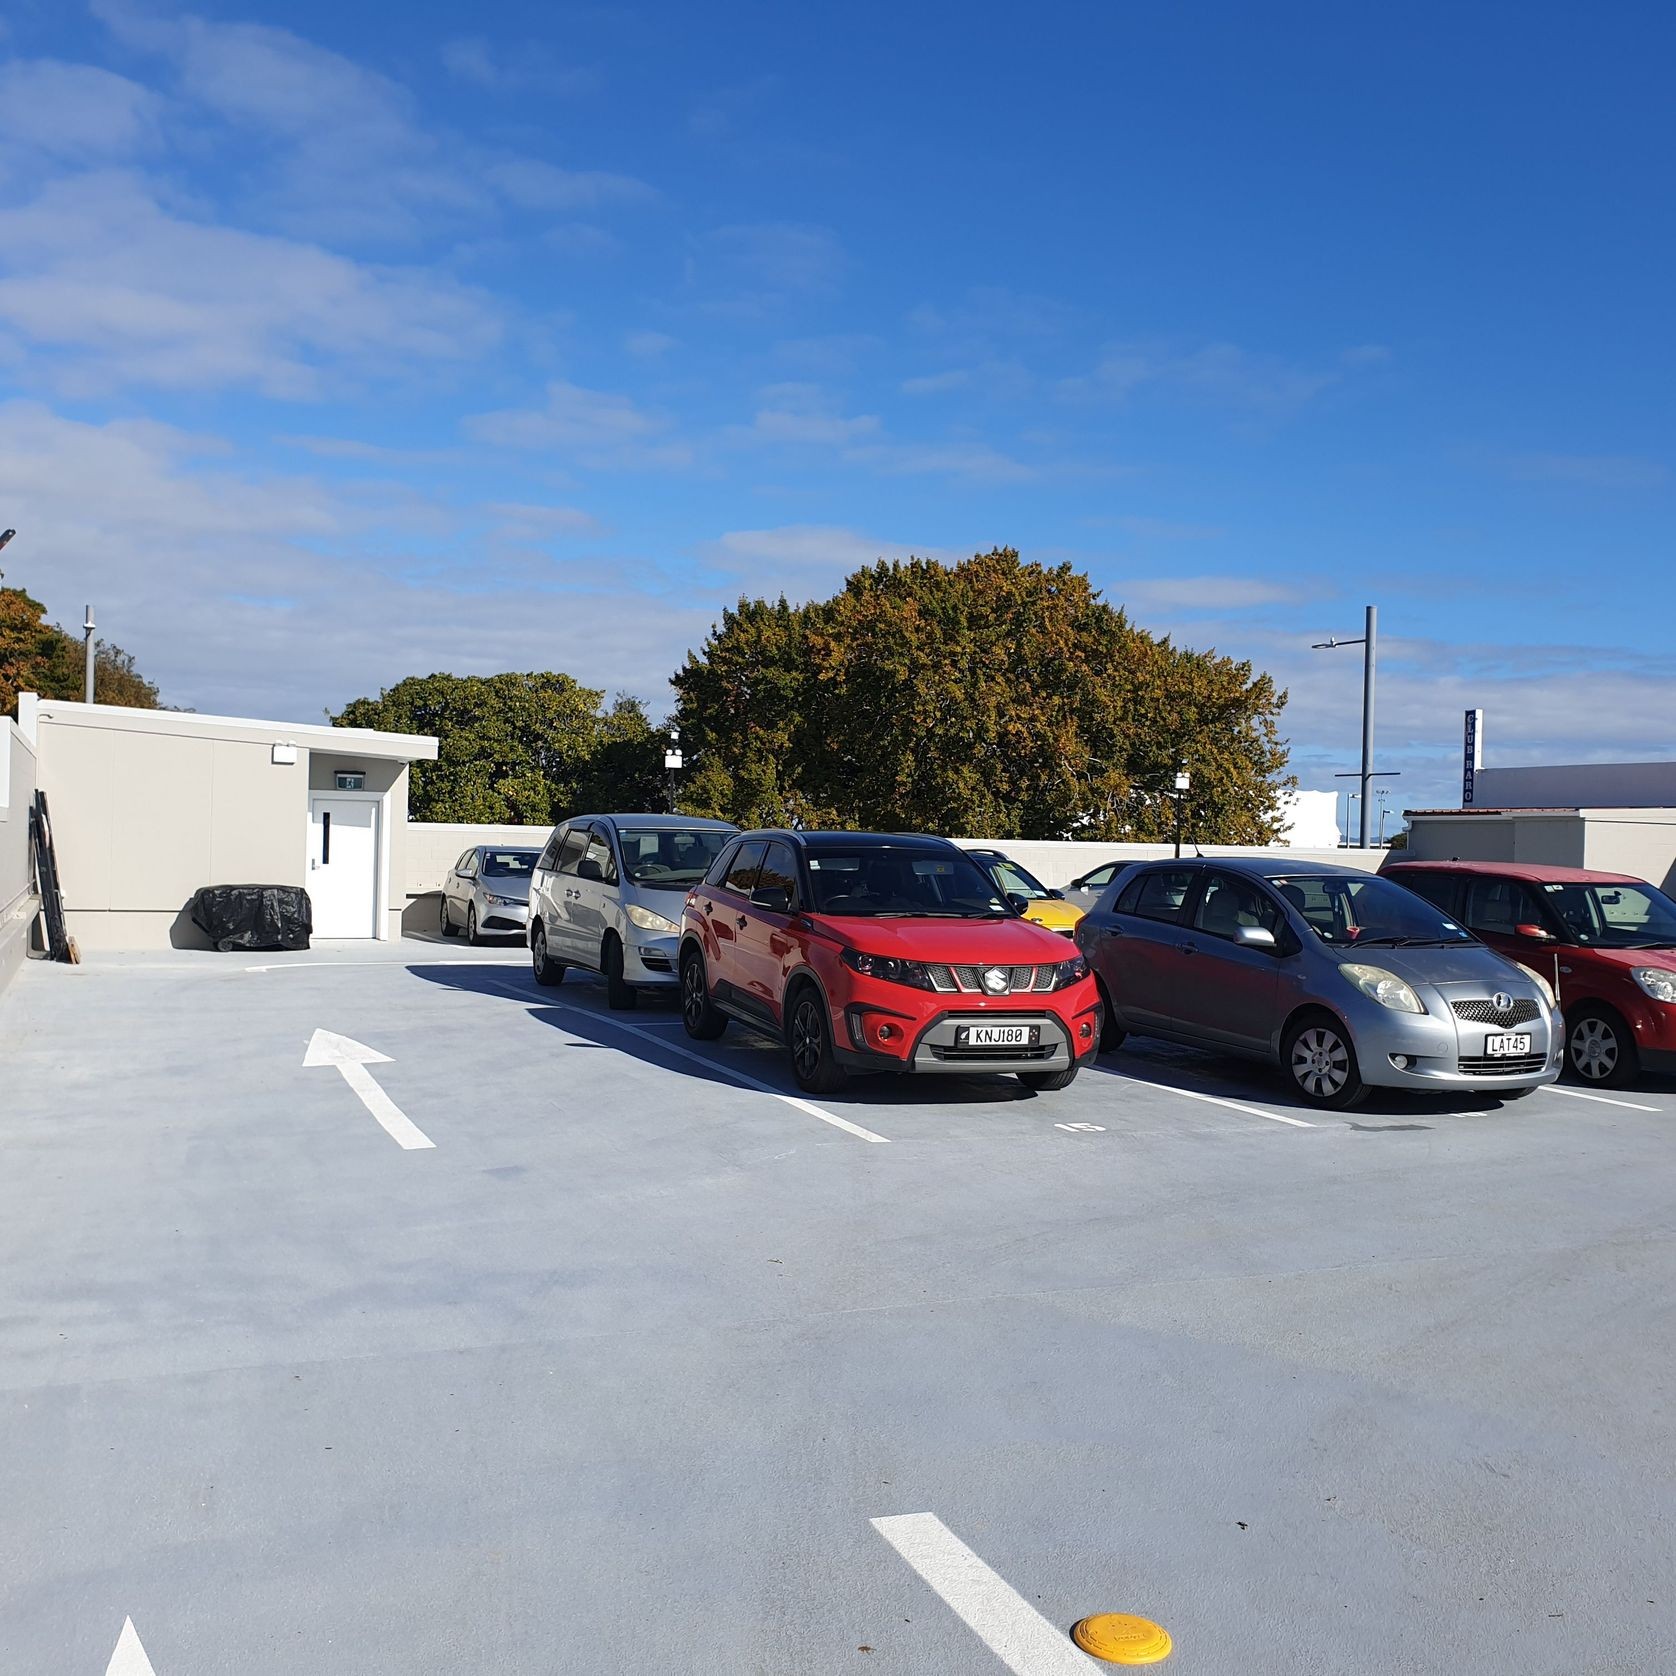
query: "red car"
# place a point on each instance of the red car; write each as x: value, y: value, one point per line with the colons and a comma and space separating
x: 870, y: 952
x: 1606, y: 941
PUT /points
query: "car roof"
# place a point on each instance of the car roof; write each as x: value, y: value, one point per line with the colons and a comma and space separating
x: 851, y: 840
x: 1529, y: 872
x: 657, y: 822
x: 1267, y: 866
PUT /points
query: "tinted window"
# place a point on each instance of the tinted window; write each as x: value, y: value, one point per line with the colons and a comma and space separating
x: 1495, y: 906
x: 902, y: 881
x: 570, y: 852
x: 720, y: 866
x: 550, y: 855
x: 508, y: 864
x: 1229, y: 903
x: 463, y: 865
x: 669, y: 857
x: 599, y: 853
x: 1440, y: 889
x: 1162, y: 894
x: 1130, y: 899
x: 779, y: 872
x: 1613, y: 915
x: 742, y: 875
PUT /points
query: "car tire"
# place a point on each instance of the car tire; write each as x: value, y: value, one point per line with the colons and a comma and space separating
x: 809, y: 1036
x: 446, y: 925
x: 473, y: 935
x: 620, y: 995
x: 1320, y: 1063
x: 1599, y: 1048
x: 702, y: 1019
x: 1049, y: 1082
x: 548, y: 972
x: 1112, y: 1034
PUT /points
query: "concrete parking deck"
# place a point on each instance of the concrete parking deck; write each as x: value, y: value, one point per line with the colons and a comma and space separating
x: 617, y: 1373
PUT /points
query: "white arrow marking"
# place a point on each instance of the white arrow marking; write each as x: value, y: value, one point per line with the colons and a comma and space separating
x: 1081, y: 1128
x: 352, y: 1058
x: 129, y: 1658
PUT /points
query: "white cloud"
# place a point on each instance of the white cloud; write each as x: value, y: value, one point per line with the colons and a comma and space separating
x: 1590, y: 471
x: 974, y: 460
x: 600, y: 427
x: 474, y: 60
x: 829, y: 429
x: 519, y: 521
x: 1219, y: 374
x: 1203, y: 593
x: 804, y: 561
x: 75, y: 111
x: 937, y: 383
x: 780, y: 256
x: 648, y: 346
x: 532, y: 184
x: 131, y: 293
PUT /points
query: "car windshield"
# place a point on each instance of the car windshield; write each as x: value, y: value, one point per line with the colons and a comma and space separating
x: 890, y: 881
x: 509, y: 864
x: 670, y: 857
x: 1015, y: 881
x: 1367, y: 912
x: 1612, y: 916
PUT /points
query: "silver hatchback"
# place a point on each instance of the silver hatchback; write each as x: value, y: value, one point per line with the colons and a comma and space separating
x: 1344, y: 979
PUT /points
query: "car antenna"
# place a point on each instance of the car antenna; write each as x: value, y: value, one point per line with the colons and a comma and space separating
x: 1197, y: 851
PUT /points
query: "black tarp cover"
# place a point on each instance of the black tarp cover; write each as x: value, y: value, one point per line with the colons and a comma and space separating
x: 254, y: 916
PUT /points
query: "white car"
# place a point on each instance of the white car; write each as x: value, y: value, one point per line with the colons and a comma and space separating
x: 1086, y: 891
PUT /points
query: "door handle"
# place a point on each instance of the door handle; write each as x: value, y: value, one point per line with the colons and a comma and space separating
x: 1189, y: 948
x: 741, y: 922
x: 708, y: 907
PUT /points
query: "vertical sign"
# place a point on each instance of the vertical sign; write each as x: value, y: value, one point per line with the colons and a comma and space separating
x: 1472, y: 754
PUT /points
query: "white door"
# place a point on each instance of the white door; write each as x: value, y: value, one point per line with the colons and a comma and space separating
x: 343, y: 866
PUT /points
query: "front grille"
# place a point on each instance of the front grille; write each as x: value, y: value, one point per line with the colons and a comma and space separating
x: 968, y: 980
x: 1046, y: 1051
x: 1479, y: 1065
x: 1484, y: 1012
x: 656, y: 962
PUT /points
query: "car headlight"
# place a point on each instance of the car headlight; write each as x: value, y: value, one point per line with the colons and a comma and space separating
x: 507, y: 901
x: 888, y: 968
x: 1547, y: 988
x: 648, y: 921
x: 1068, y: 972
x: 1656, y: 981
x: 1384, y: 987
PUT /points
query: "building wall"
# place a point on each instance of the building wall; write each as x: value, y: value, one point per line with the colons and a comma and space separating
x: 1641, y: 842
x: 17, y: 899
x: 1583, y: 785
x: 1551, y: 840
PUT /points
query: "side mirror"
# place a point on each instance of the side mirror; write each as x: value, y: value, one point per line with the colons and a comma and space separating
x: 1254, y: 937
x: 588, y: 868
x: 1018, y: 903
x: 775, y: 898
x: 1533, y: 933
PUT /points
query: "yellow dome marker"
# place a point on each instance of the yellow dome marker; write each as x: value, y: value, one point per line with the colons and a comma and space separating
x: 1122, y: 1638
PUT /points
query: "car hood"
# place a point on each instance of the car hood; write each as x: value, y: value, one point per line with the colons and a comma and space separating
x: 1055, y: 915
x: 1466, y: 963
x: 956, y: 942
x: 1626, y: 959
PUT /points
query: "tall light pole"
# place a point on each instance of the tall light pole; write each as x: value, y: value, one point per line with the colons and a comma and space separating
x: 87, y: 637
x: 673, y: 763
x: 1183, y: 781
x: 1368, y: 641
x: 1384, y: 799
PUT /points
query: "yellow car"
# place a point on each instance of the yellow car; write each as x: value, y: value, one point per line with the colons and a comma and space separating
x: 1027, y: 893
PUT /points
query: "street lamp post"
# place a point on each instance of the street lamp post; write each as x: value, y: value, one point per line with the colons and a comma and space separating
x: 673, y: 763
x: 1368, y: 641
x: 87, y: 638
x: 1183, y: 781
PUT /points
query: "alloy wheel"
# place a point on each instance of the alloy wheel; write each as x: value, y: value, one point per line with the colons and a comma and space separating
x: 538, y: 949
x: 807, y: 1038
x: 1320, y: 1063
x: 693, y: 998
x: 1594, y: 1049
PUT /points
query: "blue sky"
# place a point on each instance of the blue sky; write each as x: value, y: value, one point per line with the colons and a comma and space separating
x: 343, y: 343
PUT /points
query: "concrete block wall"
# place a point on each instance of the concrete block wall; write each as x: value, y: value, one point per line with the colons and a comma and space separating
x: 17, y: 898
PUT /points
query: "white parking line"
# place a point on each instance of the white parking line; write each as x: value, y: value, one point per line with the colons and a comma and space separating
x: 129, y: 1658
x: 1213, y: 1100
x: 1602, y: 1099
x: 1001, y: 1618
x: 394, y: 965
x: 807, y: 1106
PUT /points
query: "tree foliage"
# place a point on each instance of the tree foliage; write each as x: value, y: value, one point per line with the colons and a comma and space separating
x: 38, y: 656
x: 518, y: 749
x: 992, y: 697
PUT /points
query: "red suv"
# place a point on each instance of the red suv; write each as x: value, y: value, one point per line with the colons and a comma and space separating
x: 1606, y: 941
x: 870, y: 952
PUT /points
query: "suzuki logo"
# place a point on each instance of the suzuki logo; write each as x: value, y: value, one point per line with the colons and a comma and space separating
x: 1502, y: 1001
x: 995, y: 980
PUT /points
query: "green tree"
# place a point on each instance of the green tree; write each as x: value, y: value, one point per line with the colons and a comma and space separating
x: 993, y: 698
x: 520, y: 749
x: 38, y: 656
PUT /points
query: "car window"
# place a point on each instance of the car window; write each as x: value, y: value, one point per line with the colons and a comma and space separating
x: 1102, y: 876
x: 671, y: 857
x: 1496, y: 906
x: 779, y: 871
x: 570, y: 852
x: 909, y: 880
x: 1608, y: 915
x: 599, y: 853
x: 1229, y: 903
x: 463, y: 865
x: 1440, y: 889
x: 550, y: 855
x: 1161, y: 895
x: 720, y: 866
x: 468, y: 864
x: 1012, y: 879
x: 742, y: 875
x: 508, y: 864
x: 1366, y: 909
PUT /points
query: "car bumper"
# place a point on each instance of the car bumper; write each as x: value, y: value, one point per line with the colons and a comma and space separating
x: 1407, y: 1050
x: 885, y: 1037
x: 500, y: 920
x: 650, y: 961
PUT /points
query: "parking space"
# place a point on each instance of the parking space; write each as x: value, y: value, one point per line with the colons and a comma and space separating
x: 647, y: 1362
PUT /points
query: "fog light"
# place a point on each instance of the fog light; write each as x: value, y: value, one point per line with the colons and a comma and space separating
x: 1085, y: 1029
x: 1401, y: 1061
x: 887, y: 1032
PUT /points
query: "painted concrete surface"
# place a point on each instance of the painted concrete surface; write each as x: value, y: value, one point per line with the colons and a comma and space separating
x: 618, y: 1373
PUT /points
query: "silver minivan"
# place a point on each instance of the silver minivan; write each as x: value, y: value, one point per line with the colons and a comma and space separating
x: 607, y: 894
x: 1344, y: 979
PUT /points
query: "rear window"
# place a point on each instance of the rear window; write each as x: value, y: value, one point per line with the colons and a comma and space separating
x: 508, y: 864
